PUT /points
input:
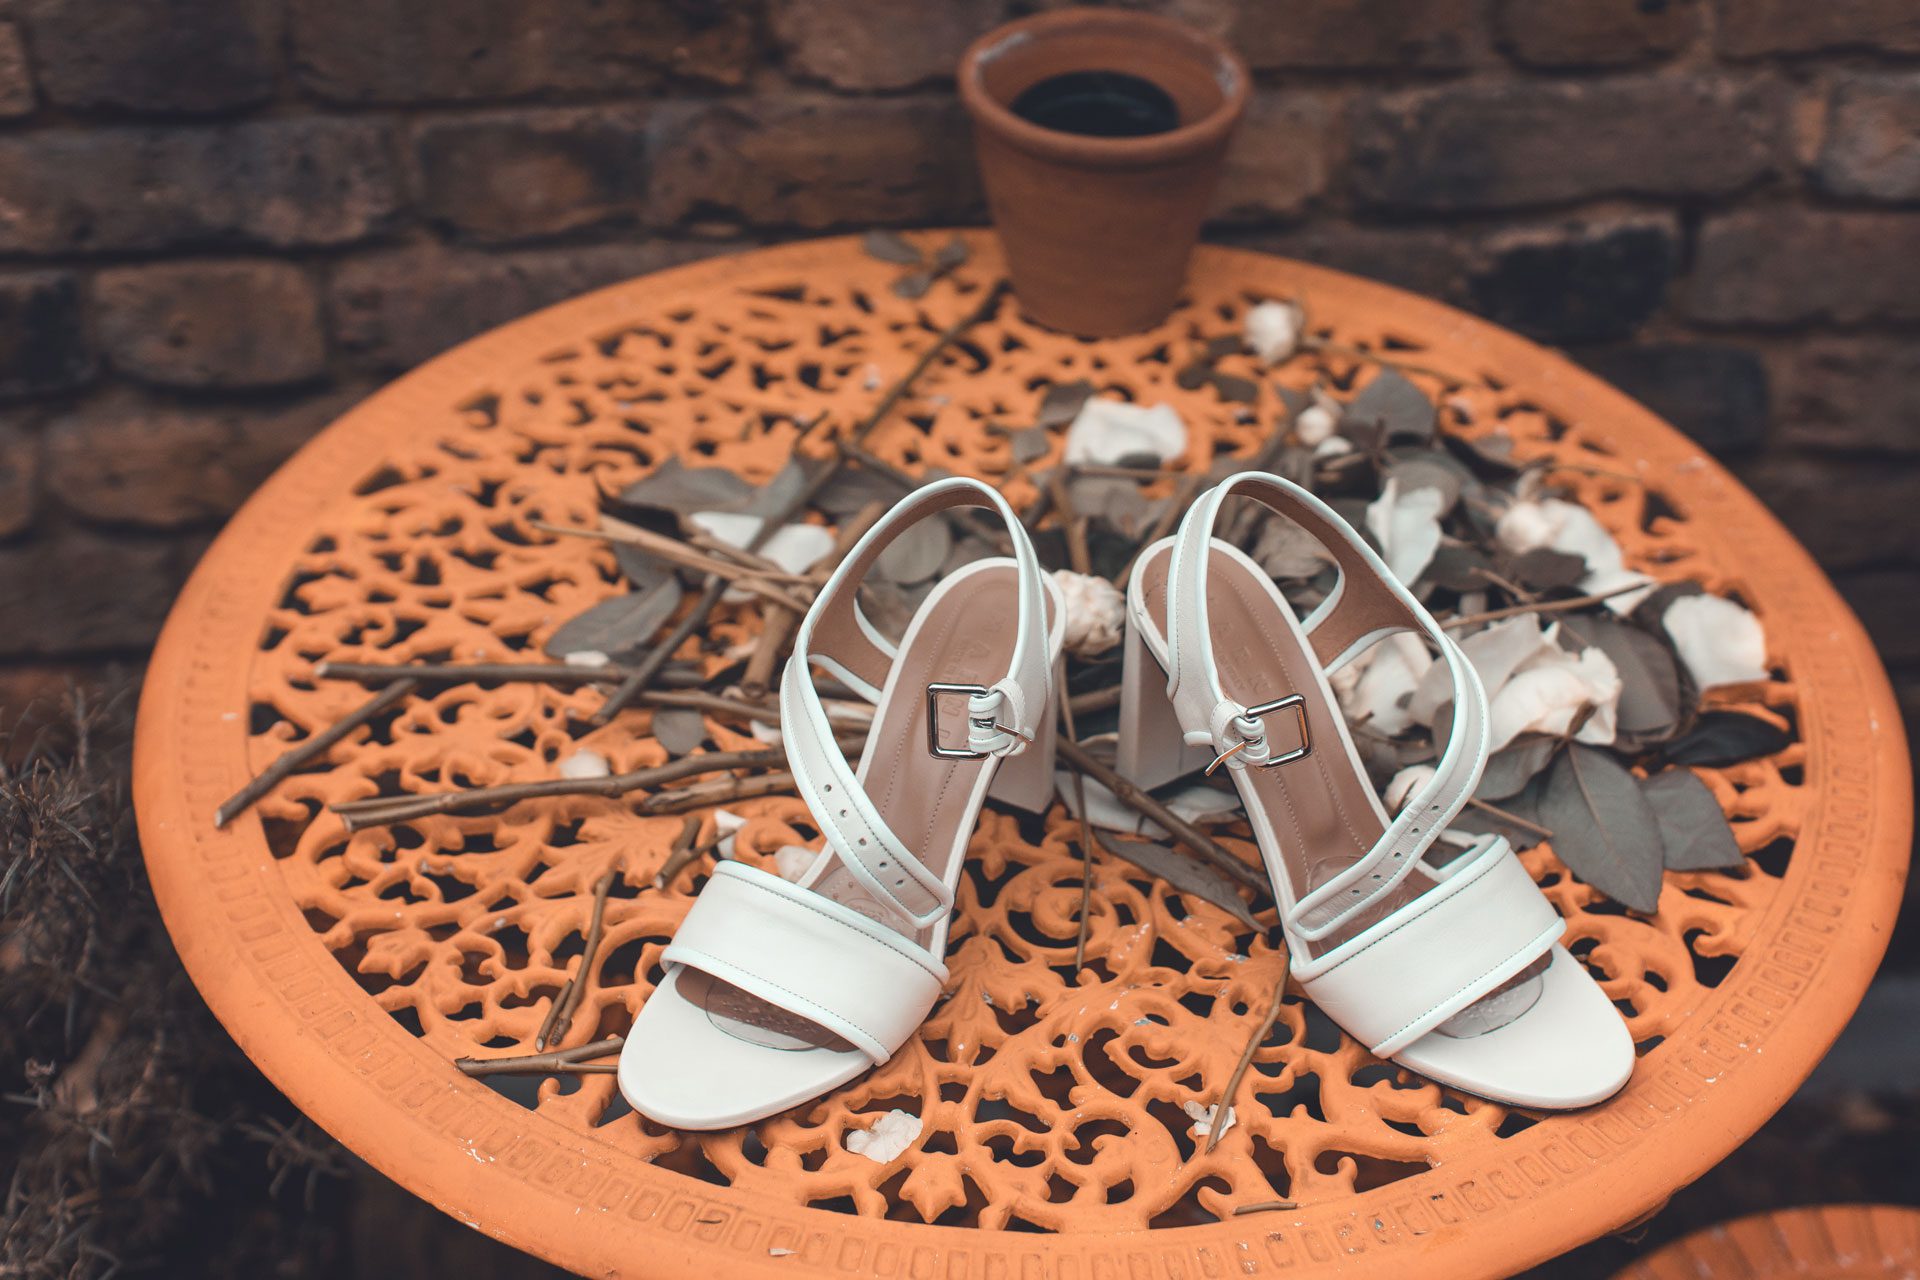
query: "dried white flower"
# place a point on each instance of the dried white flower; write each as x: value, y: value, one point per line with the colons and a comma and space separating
x: 1105, y: 431
x: 792, y: 861
x: 1375, y: 688
x: 728, y: 825
x: 1407, y: 526
x: 1096, y: 616
x: 794, y: 547
x: 1567, y: 527
x: 890, y: 1136
x: 767, y: 733
x: 1533, y: 684
x: 1315, y: 424
x: 1202, y: 1117
x: 1405, y: 783
x: 585, y: 763
x: 1720, y: 641
x: 587, y: 658
x: 1273, y: 329
x: 1333, y: 447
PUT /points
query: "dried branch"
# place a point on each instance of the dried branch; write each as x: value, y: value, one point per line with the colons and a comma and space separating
x: 271, y: 776
x: 1086, y: 819
x: 560, y: 1016
x: 1179, y: 828
x: 757, y: 581
x: 1543, y: 606
x: 710, y: 592
x: 1265, y: 1206
x: 720, y: 791
x: 1078, y: 557
x: 683, y: 853
x: 576, y: 1059
x: 1254, y: 1040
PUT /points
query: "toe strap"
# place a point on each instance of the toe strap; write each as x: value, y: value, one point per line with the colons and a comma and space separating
x: 1407, y: 974
x: 811, y: 956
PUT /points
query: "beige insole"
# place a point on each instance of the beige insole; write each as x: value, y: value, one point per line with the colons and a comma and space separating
x: 961, y: 636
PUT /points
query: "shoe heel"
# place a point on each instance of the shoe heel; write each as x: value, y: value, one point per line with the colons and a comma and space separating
x: 1151, y: 752
x: 1026, y: 781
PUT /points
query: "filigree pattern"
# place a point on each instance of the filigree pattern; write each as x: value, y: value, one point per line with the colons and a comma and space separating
x: 1051, y: 1101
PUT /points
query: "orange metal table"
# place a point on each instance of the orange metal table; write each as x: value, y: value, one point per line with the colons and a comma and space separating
x: 354, y: 969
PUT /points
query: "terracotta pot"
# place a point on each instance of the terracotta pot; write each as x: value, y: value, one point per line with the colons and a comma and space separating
x: 1098, y: 230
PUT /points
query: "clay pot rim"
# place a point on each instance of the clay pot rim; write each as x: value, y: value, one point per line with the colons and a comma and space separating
x: 1080, y: 149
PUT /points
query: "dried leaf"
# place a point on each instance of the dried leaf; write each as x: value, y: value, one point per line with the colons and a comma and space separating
x: 1194, y: 376
x: 1030, y: 444
x: 1227, y: 344
x: 1544, y: 569
x: 917, y: 554
x: 889, y: 246
x: 1721, y: 738
x: 1236, y: 389
x: 684, y: 490
x: 1113, y: 499
x: 914, y: 284
x: 1184, y: 874
x: 1695, y: 831
x: 679, y: 729
x: 1061, y: 404
x: 1513, y: 766
x: 1285, y: 550
x: 952, y: 254
x: 1458, y: 566
x: 1651, y: 704
x: 775, y: 494
x: 853, y: 489
x: 1388, y: 408
x: 1603, y: 828
x: 622, y: 625
x: 1652, y: 610
x: 640, y: 569
x: 1429, y: 468
x: 1525, y: 806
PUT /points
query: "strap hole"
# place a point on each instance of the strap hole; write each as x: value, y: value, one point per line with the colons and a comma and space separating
x: 863, y: 841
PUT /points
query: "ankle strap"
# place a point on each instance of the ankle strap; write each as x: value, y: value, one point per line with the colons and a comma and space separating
x: 1367, y: 605
x: 1001, y: 719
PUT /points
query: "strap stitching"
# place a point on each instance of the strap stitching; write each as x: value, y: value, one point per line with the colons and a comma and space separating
x: 1559, y: 927
x: 849, y: 927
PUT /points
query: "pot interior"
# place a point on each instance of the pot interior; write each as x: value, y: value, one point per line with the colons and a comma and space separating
x: 1189, y: 71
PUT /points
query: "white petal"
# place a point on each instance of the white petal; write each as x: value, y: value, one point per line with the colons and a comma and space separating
x: 585, y: 763
x: 587, y: 658
x: 1408, y: 528
x: 1405, y: 783
x: 1381, y: 697
x: 795, y: 547
x: 767, y: 733
x: 1721, y: 642
x: 1202, y: 1116
x: 1315, y: 425
x: 889, y: 1137
x: 1273, y: 330
x: 728, y: 825
x: 1096, y: 617
x: 1569, y: 528
x: 1106, y: 431
x: 1333, y: 447
x: 1548, y: 690
x: 791, y: 861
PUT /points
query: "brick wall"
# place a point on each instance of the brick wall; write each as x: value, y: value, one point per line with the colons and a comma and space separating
x: 221, y: 220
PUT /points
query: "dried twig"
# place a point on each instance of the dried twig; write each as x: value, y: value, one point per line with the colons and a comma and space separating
x: 1179, y: 828
x: 1265, y: 1206
x: 271, y: 776
x: 1086, y: 819
x: 1543, y: 606
x: 719, y: 791
x: 1495, y: 811
x: 1078, y: 558
x: 685, y: 851
x: 710, y: 592
x: 576, y: 1059
x: 674, y: 552
x: 1254, y: 1040
x: 1163, y: 524
x: 560, y: 1016
x: 777, y: 626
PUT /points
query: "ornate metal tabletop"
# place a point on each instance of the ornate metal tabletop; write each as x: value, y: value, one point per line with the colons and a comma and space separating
x: 355, y: 968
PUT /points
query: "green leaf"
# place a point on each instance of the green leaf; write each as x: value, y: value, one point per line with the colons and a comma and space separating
x: 1722, y: 738
x: 952, y: 254
x: 1388, y: 408
x: 1513, y: 766
x: 1693, y: 829
x: 1603, y: 828
x: 683, y: 490
x: 620, y: 626
x: 1061, y: 404
x: 914, y: 284
x: 1236, y: 389
x: 1544, y: 569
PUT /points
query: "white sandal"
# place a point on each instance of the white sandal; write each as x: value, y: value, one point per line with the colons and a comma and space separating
x: 778, y: 992
x: 1449, y: 966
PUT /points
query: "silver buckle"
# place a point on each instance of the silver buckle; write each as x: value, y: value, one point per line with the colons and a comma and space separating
x: 934, y: 693
x: 1301, y: 752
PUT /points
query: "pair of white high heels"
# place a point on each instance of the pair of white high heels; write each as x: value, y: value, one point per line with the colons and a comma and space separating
x: 1445, y: 961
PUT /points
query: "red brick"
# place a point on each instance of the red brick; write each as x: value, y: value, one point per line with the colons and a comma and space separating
x: 1748, y: 28
x: 1849, y: 514
x: 1355, y: 34
x: 515, y: 175
x: 1528, y: 143
x: 277, y: 182
x: 1594, y: 33
x: 212, y: 324
x: 1278, y: 163
x: 463, y: 50
x: 43, y: 339
x: 854, y: 44
x: 1784, y: 266
x: 1853, y: 393
x: 16, y: 79
x: 122, y: 459
x: 1887, y: 602
x: 75, y: 593
x: 816, y: 161
x: 19, y: 479
x: 1425, y: 260
x: 1589, y: 281
x: 393, y: 310
x: 155, y: 55
x: 1872, y: 144
x: 1717, y: 395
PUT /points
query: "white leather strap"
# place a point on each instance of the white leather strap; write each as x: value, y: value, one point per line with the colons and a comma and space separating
x: 1367, y: 605
x: 1000, y: 719
x: 1440, y: 953
x: 811, y: 956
